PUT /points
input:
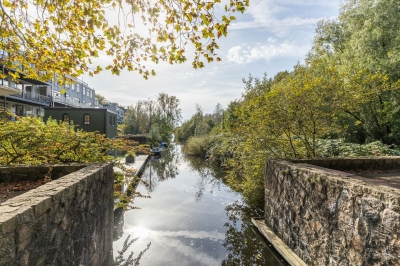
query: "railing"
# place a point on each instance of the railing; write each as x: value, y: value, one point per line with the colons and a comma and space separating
x: 34, y: 97
x: 6, y: 83
x: 72, y: 102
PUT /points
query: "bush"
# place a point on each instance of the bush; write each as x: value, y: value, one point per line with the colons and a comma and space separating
x: 198, y: 146
x: 341, y: 148
x: 28, y: 140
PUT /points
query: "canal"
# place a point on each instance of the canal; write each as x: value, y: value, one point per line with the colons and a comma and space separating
x: 191, y: 217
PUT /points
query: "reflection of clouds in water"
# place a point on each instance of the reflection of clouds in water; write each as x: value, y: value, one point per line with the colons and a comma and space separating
x: 207, y: 176
x: 177, y: 244
x: 219, y: 236
x: 192, y: 255
x: 139, y: 231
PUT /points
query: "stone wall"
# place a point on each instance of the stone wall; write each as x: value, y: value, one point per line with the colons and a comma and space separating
x: 65, y: 222
x: 330, y: 217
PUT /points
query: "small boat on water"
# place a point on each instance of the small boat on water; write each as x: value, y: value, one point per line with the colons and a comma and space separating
x: 156, y: 152
x: 164, y: 145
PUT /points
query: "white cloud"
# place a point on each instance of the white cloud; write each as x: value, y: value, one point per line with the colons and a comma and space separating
x: 277, y: 16
x: 276, y: 25
x: 241, y: 54
x: 332, y: 3
x: 277, y: 34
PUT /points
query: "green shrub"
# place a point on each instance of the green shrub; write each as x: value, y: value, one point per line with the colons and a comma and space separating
x: 341, y: 148
x: 28, y: 140
x: 198, y: 146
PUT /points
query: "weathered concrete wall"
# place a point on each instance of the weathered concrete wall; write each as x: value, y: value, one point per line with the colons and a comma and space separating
x: 65, y: 222
x: 331, y: 218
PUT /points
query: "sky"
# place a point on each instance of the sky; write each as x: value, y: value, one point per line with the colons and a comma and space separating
x: 271, y: 36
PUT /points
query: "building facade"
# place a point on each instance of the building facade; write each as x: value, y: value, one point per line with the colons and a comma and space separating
x: 25, y: 97
x: 88, y: 119
x: 116, y: 108
x: 77, y: 94
x: 30, y: 97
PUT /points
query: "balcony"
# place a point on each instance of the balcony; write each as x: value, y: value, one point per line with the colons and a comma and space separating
x: 5, y: 90
x: 34, y: 97
x: 72, y: 102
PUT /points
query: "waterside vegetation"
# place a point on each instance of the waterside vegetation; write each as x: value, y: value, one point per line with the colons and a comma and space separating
x: 31, y: 141
x: 343, y: 101
x: 154, y: 118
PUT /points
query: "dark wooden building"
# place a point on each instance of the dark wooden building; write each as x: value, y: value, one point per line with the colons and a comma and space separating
x: 88, y: 119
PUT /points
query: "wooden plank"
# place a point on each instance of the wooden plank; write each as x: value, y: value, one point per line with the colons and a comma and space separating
x: 278, y: 244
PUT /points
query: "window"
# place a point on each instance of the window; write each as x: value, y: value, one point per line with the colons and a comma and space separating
x: 114, y: 121
x: 19, y: 110
x: 110, y: 120
x: 65, y: 118
x: 86, y: 119
x: 19, y: 86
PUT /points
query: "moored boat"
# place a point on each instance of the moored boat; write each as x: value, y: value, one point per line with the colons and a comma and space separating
x: 156, y: 152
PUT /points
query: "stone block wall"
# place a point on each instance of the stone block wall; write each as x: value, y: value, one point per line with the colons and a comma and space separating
x: 327, y: 217
x: 65, y: 222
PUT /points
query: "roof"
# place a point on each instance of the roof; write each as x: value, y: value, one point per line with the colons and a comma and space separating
x: 71, y: 109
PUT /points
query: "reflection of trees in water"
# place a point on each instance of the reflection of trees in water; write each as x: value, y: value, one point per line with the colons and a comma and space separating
x: 118, y: 223
x: 243, y: 244
x: 206, y: 174
x: 166, y: 167
x: 161, y: 169
x: 123, y: 260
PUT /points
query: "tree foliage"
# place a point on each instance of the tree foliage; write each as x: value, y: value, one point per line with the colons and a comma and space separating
x: 364, y: 46
x: 102, y: 100
x: 41, y: 38
x: 346, y: 91
x: 158, y: 117
x: 200, y: 124
x: 28, y: 140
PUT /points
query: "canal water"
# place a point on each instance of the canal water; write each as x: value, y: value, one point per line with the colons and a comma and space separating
x: 191, y: 218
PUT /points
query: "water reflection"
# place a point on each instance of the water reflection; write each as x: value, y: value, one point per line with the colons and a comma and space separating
x: 207, y: 176
x: 192, y: 218
x: 118, y: 223
x: 242, y: 240
x: 125, y: 259
x: 162, y: 168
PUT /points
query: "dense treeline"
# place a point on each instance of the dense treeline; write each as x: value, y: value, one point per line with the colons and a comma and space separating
x: 154, y: 118
x: 343, y: 101
x: 199, y: 124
